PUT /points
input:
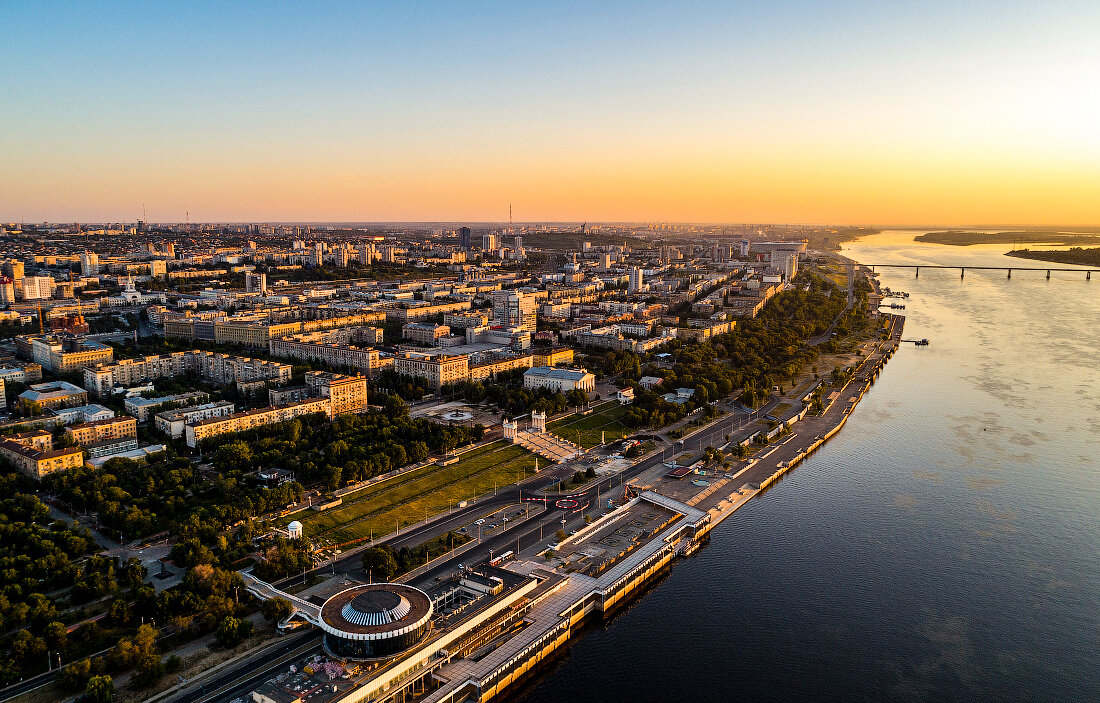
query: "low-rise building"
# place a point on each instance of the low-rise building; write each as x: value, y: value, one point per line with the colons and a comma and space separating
x: 425, y: 333
x: 561, y: 380
x: 88, y: 433
x: 111, y: 447
x: 173, y: 422
x: 83, y: 413
x: 249, y: 419
x: 34, y: 455
x: 556, y: 356
x: 144, y: 408
x: 55, y: 394
x: 27, y: 373
x: 439, y: 369
x: 220, y: 369
x: 319, y: 346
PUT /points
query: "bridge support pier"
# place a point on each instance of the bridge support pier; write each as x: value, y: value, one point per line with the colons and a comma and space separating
x: 1010, y: 273
x: 1088, y: 275
x: 918, y: 271
x: 962, y: 273
x: 1048, y: 274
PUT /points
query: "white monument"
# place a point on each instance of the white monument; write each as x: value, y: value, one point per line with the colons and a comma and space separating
x: 538, y: 421
x: 294, y: 530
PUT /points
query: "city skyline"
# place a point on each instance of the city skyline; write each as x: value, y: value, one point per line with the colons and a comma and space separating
x: 745, y: 112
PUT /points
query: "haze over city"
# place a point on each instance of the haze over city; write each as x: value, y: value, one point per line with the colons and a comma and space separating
x: 854, y: 112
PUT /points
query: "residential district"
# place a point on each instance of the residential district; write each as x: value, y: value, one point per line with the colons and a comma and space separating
x: 282, y: 463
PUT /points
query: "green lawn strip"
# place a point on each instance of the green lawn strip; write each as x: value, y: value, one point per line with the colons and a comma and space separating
x: 450, y: 478
x: 368, y: 492
x: 374, y: 489
x: 586, y: 429
x: 492, y: 454
x: 438, y: 500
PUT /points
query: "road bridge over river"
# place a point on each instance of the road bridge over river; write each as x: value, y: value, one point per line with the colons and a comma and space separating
x: 963, y: 269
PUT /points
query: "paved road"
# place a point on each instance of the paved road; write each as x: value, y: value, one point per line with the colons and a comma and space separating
x: 243, y: 677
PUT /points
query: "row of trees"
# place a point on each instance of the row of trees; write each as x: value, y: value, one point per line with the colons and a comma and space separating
x: 383, y: 562
x: 506, y: 391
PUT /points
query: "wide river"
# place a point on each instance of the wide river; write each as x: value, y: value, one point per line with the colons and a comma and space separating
x: 945, y: 546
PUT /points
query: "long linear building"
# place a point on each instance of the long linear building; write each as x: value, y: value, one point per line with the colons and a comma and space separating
x: 250, y: 419
x: 220, y: 369
x: 320, y: 347
x: 260, y: 333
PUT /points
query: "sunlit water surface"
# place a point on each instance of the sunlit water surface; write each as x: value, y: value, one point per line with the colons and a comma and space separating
x: 945, y: 546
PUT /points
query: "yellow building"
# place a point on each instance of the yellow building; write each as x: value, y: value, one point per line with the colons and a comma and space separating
x: 439, y: 369
x: 249, y: 419
x: 87, y: 433
x: 35, y: 456
x: 348, y: 394
x: 253, y: 334
x: 499, y: 363
x: 553, y: 357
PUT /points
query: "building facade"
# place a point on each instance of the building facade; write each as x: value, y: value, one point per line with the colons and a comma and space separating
x: 439, y: 369
x: 560, y: 380
x: 250, y: 419
x: 86, y: 433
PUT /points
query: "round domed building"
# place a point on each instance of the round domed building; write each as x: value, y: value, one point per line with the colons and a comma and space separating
x: 375, y: 621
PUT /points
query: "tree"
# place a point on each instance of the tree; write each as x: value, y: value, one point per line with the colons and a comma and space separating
x: 235, y: 456
x: 379, y: 563
x: 75, y: 676
x: 150, y: 669
x: 27, y: 649
x: 231, y: 631
x: 577, y: 397
x: 276, y: 609
x: 56, y: 635
x: 100, y: 689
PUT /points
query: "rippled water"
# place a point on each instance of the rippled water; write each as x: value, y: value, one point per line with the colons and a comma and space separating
x: 945, y: 546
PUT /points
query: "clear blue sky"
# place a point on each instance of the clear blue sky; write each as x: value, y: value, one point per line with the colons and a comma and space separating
x: 753, y: 111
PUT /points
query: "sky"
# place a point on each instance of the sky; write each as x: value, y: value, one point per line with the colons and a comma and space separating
x: 917, y: 112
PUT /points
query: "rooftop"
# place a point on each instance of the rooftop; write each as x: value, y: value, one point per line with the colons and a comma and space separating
x: 551, y: 372
x: 377, y: 608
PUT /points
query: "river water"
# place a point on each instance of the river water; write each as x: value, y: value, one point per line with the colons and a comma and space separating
x: 945, y: 546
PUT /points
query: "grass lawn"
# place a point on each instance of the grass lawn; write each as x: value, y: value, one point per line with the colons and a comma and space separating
x: 585, y: 429
x: 379, y: 512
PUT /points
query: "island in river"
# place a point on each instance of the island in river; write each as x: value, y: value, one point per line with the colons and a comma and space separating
x: 967, y: 238
x: 1076, y: 255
